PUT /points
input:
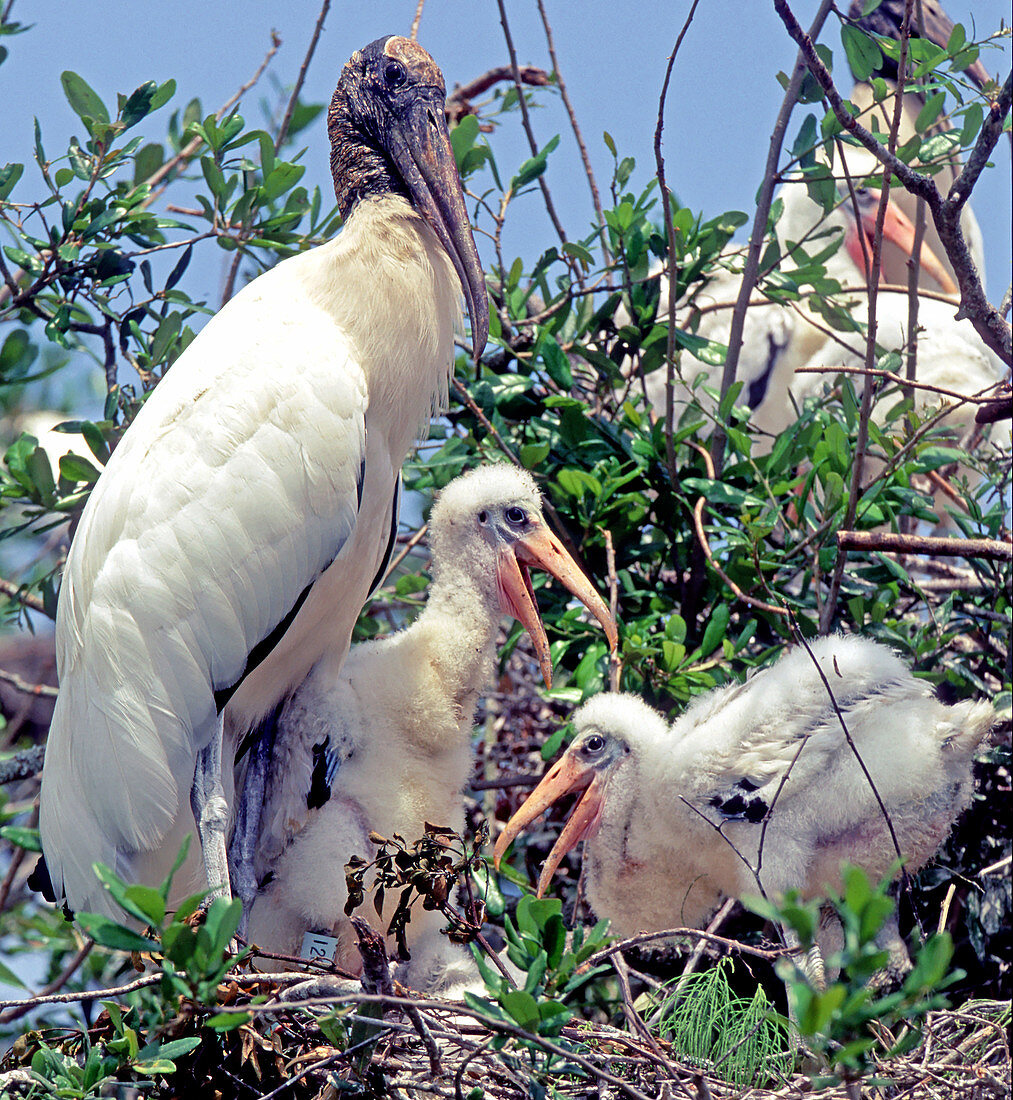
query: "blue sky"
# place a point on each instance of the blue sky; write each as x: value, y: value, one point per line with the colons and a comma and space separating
x: 721, y: 106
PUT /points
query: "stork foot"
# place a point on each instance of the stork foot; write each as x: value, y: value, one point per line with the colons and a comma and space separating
x: 211, y: 812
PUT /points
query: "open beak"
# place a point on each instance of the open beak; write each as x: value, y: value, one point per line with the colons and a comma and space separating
x: 544, y: 551
x: 566, y: 775
x: 897, y: 229
x: 419, y: 144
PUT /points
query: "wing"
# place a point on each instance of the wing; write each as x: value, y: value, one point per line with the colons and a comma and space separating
x: 233, y: 490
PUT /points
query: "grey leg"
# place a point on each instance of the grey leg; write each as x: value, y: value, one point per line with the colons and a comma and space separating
x: 247, y: 832
x: 211, y: 812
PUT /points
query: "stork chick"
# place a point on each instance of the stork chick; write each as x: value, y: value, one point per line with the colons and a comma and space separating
x: 238, y: 528
x: 674, y: 816
x: 392, y: 724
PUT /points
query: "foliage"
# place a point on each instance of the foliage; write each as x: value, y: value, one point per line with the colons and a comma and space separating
x: 742, y: 1040
x: 835, y: 1021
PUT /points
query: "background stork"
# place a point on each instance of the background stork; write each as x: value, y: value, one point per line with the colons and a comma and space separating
x: 391, y: 725
x: 674, y: 815
x: 236, y: 532
x: 779, y: 339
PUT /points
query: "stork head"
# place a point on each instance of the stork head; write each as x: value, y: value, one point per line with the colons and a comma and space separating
x: 897, y: 229
x: 489, y: 522
x: 388, y: 134
x: 610, y: 731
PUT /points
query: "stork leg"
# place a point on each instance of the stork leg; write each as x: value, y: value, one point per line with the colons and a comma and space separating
x: 211, y: 812
x: 247, y: 831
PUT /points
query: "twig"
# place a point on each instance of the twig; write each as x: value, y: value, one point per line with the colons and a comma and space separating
x: 666, y: 212
x: 892, y: 376
x: 615, y: 659
x: 16, y: 592
x: 992, y: 549
x: 194, y: 144
x: 750, y: 272
x: 301, y: 78
x: 459, y: 100
x: 413, y: 34
x: 22, y: 764
x: 588, y: 170
x: 526, y: 122
x: 57, y: 983
x: 668, y: 933
x: 18, y: 684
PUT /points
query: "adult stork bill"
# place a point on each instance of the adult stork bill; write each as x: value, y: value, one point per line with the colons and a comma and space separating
x: 388, y: 732
x: 241, y: 522
x: 674, y: 816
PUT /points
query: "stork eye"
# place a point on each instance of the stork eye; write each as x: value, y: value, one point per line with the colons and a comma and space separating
x: 516, y: 516
x: 394, y: 73
x: 594, y: 744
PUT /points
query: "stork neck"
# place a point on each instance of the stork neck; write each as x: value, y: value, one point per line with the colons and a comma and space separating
x: 359, y: 167
x: 467, y: 620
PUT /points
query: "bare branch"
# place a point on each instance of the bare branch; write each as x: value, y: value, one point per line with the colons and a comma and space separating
x: 991, y: 549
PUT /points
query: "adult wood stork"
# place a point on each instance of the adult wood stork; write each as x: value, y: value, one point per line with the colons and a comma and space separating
x: 381, y: 742
x: 777, y: 338
x: 755, y: 786
x: 239, y: 526
x: 887, y: 21
x: 780, y: 339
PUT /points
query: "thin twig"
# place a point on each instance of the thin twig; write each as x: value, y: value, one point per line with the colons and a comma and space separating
x: 588, y: 170
x: 16, y: 592
x: 413, y: 34
x: 526, y: 122
x: 57, y: 983
x: 751, y: 270
x: 15, y: 681
x: 615, y: 659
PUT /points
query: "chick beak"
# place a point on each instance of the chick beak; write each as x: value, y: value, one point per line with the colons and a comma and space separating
x: 897, y: 229
x: 566, y: 775
x: 541, y: 549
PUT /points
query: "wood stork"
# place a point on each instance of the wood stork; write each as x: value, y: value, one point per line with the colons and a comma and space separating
x: 779, y: 339
x: 239, y: 526
x: 382, y: 740
x: 755, y: 785
x: 887, y: 21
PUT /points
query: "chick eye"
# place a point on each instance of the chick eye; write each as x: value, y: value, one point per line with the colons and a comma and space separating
x: 483, y: 516
x: 595, y: 743
x: 394, y: 73
x: 515, y: 515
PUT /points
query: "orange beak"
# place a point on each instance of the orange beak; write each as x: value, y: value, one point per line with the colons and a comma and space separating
x: 566, y: 775
x: 897, y: 229
x: 544, y: 551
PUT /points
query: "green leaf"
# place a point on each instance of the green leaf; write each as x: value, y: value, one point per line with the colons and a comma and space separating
x: 108, y: 933
x: 864, y: 55
x: 532, y: 168
x: 74, y: 468
x: 228, y: 1021
x: 557, y: 366
x: 9, y: 176
x: 532, y: 455
x: 522, y: 1008
x: 83, y: 99
x: 22, y: 837
x: 930, y: 112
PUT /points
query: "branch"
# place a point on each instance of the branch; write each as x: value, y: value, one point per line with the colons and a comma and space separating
x: 300, y: 79
x: 22, y: 765
x: 459, y: 100
x: 992, y: 549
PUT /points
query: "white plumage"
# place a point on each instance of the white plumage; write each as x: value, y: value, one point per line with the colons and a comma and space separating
x: 395, y: 718
x: 238, y: 527
x: 674, y: 814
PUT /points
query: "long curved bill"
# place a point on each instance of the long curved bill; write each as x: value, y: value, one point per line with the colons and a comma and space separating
x: 566, y: 775
x: 544, y: 551
x: 898, y: 229
x: 419, y: 144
